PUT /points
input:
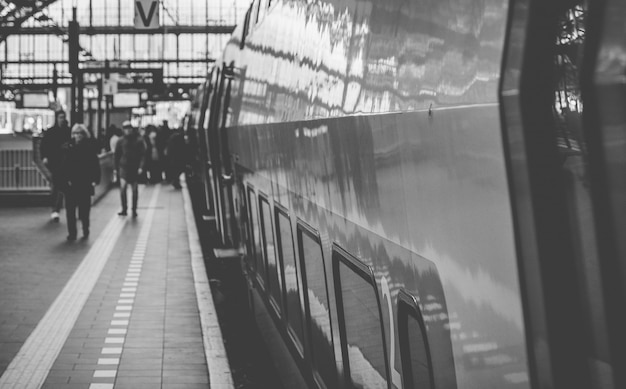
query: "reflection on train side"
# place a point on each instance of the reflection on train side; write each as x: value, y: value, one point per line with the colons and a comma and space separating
x: 358, y: 65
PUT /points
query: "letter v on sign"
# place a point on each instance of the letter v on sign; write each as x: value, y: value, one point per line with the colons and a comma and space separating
x: 146, y: 14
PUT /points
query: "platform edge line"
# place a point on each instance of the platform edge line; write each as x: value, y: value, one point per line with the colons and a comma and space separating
x: 45, y: 342
x: 220, y: 375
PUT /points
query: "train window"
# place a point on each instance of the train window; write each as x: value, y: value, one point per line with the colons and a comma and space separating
x: 273, y: 271
x: 287, y: 257
x: 246, y: 27
x: 417, y: 367
x: 246, y: 226
x: 261, y: 10
x: 317, y: 307
x: 360, y: 322
x: 255, y: 241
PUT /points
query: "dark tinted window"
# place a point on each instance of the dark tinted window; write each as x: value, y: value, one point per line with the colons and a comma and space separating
x: 275, y: 286
x: 292, y: 285
x: 256, y: 237
x: 246, y: 226
x: 360, y: 322
x: 316, y: 295
x: 568, y: 112
x: 416, y: 362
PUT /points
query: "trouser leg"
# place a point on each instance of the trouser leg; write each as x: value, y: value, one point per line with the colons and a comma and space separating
x: 56, y: 196
x: 84, y: 209
x: 123, y: 188
x: 70, y: 213
x: 135, y: 187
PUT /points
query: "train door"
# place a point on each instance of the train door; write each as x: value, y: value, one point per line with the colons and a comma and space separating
x: 558, y: 194
x: 227, y: 214
x: 221, y: 164
x: 207, y: 144
x: 197, y: 128
x: 604, y: 95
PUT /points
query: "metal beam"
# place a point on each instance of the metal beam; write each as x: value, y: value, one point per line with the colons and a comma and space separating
x: 131, y: 61
x: 115, y: 30
x: 21, y: 13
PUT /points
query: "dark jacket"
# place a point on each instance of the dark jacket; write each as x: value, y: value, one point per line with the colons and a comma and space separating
x: 130, y: 153
x: 51, y: 143
x: 149, y: 151
x: 80, y: 166
x: 176, y: 151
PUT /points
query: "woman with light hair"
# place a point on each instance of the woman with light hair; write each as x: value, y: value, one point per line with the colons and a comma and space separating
x: 81, y: 172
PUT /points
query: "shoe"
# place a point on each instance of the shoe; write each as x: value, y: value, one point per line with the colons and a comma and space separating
x: 176, y: 186
x: 71, y: 238
x: 134, y: 213
x: 122, y: 213
x: 54, y: 216
x: 85, y: 234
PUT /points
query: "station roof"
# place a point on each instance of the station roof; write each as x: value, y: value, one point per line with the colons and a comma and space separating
x: 14, y: 12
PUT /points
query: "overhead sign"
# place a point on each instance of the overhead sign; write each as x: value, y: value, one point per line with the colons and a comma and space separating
x: 146, y: 14
x: 109, y: 87
x: 126, y: 100
x: 35, y: 100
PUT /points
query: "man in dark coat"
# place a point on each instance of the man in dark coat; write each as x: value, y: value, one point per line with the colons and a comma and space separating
x: 52, y: 157
x: 130, y: 153
x: 176, y: 157
x: 81, y: 173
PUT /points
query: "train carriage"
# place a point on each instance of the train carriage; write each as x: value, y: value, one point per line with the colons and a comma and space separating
x: 419, y: 198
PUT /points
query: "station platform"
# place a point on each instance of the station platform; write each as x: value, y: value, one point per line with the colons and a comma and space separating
x: 129, y: 307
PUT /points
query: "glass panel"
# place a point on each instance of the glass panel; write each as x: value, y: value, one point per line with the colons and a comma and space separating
x: 126, y: 47
x: 141, y: 46
x: 364, y: 334
x: 112, y: 47
x: 320, y: 328
x: 256, y: 237
x: 99, y: 46
x: 112, y: 13
x: 292, y: 284
x: 127, y: 11
x: 273, y: 270
x: 12, y: 43
x: 419, y: 359
x: 185, y: 46
x: 567, y: 112
x: 170, y: 47
x: 156, y: 46
x: 199, y: 46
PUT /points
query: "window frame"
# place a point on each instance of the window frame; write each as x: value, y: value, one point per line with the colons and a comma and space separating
x: 303, y: 228
x: 408, y: 307
x: 365, y: 272
x: 257, y: 275
x: 295, y: 340
x: 276, y: 305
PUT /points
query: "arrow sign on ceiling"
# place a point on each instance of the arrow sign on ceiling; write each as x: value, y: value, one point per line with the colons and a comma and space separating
x: 146, y: 14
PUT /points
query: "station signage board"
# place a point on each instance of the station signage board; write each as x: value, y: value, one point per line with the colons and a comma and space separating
x: 126, y: 100
x: 35, y: 100
x: 146, y: 14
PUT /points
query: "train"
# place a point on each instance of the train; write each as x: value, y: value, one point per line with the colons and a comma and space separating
x: 424, y: 194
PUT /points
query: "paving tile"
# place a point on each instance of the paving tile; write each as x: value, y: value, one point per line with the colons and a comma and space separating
x: 137, y: 380
x: 187, y: 379
x: 186, y: 386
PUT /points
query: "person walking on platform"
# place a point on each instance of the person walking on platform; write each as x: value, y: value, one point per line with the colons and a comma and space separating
x: 154, y: 159
x: 51, y: 156
x: 176, y: 157
x: 81, y: 173
x: 129, y: 163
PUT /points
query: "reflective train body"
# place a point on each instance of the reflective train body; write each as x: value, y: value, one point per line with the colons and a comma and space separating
x: 414, y: 206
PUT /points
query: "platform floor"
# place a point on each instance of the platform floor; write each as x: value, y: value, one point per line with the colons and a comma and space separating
x: 130, y: 307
